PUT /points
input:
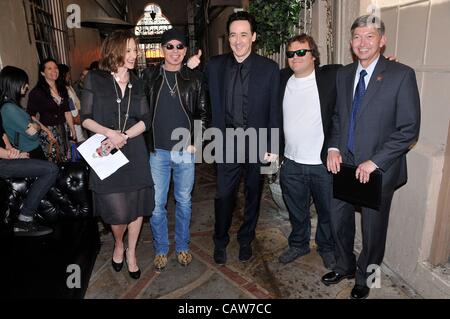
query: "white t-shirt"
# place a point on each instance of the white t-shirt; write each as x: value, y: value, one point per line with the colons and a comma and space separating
x: 303, y: 128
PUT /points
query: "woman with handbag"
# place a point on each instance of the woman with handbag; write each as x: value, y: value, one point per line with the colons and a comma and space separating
x: 21, y: 130
x: 49, y: 99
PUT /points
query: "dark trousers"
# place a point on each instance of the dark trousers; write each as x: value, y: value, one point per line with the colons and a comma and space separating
x: 374, y: 225
x: 45, y: 173
x: 298, y: 183
x: 228, y: 177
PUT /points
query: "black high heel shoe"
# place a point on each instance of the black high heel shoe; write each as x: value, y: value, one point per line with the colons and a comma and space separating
x: 133, y: 274
x: 116, y: 266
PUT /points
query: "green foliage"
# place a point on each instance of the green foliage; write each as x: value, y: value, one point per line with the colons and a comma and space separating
x: 275, y: 22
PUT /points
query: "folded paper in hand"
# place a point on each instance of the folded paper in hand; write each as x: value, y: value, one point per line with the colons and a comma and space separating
x: 347, y: 188
x: 103, y: 166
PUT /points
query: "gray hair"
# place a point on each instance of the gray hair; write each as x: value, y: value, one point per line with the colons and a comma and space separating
x: 369, y: 21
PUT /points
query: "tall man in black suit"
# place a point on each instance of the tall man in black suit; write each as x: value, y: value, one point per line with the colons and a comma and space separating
x: 243, y: 90
x: 376, y: 123
x: 308, y: 97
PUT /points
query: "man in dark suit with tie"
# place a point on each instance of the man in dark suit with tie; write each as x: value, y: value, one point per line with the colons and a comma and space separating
x: 376, y: 123
x: 243, y: 90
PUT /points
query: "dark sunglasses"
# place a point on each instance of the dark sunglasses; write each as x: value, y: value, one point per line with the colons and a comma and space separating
x: 301, y: 52
x: 179, y: 46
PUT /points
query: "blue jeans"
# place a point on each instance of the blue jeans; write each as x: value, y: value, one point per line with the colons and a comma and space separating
x: 298, y: 183
x: 45, y: 173
x: 162, y: 163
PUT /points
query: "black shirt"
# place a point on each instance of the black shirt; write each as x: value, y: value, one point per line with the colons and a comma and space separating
x: 99, y: 103
x: 237, y: 77
x: 50, y: 113
x: 169, y: 115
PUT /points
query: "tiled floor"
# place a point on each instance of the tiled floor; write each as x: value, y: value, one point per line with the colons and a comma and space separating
x: 262, y: 277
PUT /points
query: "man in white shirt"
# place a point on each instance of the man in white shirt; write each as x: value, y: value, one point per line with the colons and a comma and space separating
x: 308, y: 94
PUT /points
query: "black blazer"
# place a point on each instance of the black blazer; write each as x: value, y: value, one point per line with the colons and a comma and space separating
x: 388, y: 121
x: 326, y: 85
x: 263, y: 109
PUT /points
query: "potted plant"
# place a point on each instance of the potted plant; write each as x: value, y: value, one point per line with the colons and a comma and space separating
x: 276, y: 21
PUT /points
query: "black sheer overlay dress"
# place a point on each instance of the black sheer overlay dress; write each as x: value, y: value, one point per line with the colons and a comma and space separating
x: 128, y: 193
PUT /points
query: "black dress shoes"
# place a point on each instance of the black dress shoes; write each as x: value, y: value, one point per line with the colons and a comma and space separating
x: 220, y: 256
x: 133, y: 274
x: 333, y: 278
x: 360, y: 292
x: 116, y: 266
x: 245, y: 253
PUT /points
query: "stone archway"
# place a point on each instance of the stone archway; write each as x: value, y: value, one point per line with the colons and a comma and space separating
x: 174, y: 10
x: 149, y: 29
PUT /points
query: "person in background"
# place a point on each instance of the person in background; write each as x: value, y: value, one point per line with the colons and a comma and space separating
x: 94, y: 66
x: 79, y: 84
x: 15, y: 164
x: 21, y: 130
x: 74, y: 101
x: 50, y: 100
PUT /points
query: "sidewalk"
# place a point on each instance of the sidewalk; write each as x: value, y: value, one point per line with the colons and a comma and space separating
x: 262, y: 277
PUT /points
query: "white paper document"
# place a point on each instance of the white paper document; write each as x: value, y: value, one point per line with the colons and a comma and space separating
x: 106, y: 165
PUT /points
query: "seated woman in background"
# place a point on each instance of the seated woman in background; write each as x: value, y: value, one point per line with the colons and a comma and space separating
x: 21, y: 129
x: 50, y: 99
x: 15, y: 164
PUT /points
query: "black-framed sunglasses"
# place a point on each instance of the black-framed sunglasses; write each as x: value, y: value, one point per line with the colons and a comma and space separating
x: 301, y: 52
x: 170, y: 46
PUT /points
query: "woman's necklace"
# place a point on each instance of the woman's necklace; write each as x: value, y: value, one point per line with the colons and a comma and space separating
x: 119, y: 101
x: 171, y: 90
x: 55, y: 95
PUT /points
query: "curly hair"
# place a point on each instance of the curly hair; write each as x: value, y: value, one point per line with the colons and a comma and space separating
x: 43, y: 84
x: 113, y: 50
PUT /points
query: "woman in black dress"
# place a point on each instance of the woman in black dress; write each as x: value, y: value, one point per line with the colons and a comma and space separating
x: 113, y: 103
x: 50, y: 99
